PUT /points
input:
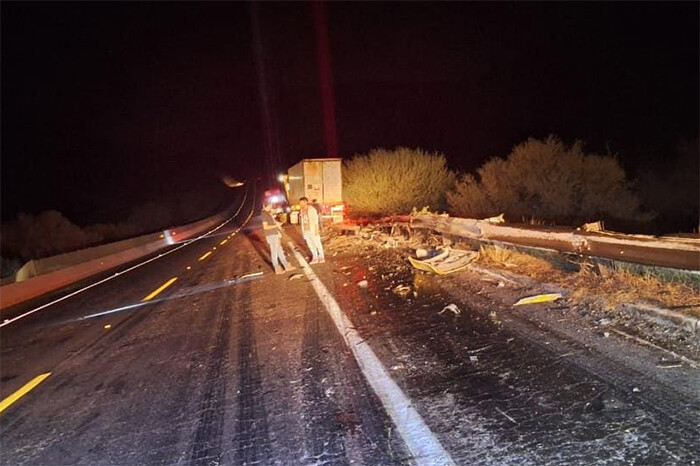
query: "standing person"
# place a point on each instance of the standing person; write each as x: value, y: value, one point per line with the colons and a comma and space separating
x: 317, y: 206
x: 273, y: 234
x: 310, y: 230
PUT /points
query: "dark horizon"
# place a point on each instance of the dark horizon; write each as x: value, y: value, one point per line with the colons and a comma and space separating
x: 105, y: 105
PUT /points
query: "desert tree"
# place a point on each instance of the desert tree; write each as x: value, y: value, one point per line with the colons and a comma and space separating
x: 546, y: 180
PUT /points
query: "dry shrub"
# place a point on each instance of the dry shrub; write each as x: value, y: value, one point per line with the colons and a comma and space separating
x: 612, y: 287
x: 597, y: 284
x: 42, y: 235
x: 517, y: 261
x: 546, y: 180
x: 387, y: 182
x: 494, y: 254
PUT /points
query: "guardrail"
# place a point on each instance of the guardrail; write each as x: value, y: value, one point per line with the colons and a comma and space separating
x: 42, y: 276
x: 671, y: 252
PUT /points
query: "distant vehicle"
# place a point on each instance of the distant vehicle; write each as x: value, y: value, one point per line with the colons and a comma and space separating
x: 231, y: 182
x: 280, y: 205
x: 319, y: 180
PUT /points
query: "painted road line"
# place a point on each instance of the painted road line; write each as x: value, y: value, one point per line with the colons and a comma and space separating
x: 425, y: 448
x: 161, y: 288
x: 205, y: 256
x: 22, y: 391
x: 223, y: 242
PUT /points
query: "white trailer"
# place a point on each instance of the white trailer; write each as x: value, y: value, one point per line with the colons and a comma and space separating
x: 319, y: 180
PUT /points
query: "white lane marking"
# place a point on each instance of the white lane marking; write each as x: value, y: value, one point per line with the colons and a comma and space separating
x: 187, y: 243
x: 120, y: 309
x: 425, y: 448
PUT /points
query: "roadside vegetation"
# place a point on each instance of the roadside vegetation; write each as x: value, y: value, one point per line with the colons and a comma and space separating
x: 547, y: 181
x: 608, y: 287
x: 386, y: 182
x: 541, y: 181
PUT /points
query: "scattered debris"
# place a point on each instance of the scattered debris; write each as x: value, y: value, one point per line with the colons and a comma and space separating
x: 246, y: 277
x: 296, y: 276
x: 540, y: 298
x: 451, y: 307
x: 506, y: 416
x: 421, y: 253
x: 593, y: 226
x: 495, y: 275
x: 669, y: 364
x: 497, y: 219
x: 402, y: 290
x: 362, y: 284
x: 474, y: 358
x: 445, y: 261
x: 480, y: 349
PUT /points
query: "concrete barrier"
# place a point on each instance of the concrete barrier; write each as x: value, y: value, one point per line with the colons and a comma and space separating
x: 36, y: 267
x: 17, y: 292
x: 53, y: 273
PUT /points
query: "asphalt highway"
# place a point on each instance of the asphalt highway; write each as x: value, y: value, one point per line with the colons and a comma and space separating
x: 204, y: 357
x: 169, y: 364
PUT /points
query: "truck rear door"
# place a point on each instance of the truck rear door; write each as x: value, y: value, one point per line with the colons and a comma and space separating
x: 313, y: 180
x: 332, y: 183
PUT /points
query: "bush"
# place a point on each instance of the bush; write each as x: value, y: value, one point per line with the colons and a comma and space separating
x: 546, y: 180
x: 43, y: 235
x: 386, y: 182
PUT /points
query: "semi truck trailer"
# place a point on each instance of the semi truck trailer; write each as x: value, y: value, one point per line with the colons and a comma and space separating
x: 319, y: 180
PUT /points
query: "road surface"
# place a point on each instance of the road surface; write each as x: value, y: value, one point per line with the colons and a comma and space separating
x: 231, y: 364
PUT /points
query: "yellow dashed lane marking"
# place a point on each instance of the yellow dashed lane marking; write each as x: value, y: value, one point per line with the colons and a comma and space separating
x: 22, y: 391
x: 161, y: 288
x: 223, y: 242
x: 205, y: 256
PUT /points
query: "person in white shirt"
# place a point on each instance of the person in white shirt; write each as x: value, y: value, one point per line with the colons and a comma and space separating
x: 310, y: 229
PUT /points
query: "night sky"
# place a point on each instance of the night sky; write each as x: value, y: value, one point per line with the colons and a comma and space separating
x: 106, y: 104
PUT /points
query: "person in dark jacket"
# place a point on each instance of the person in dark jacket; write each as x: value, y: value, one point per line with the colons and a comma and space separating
x: 272, y: 230
x: 317, y: 206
